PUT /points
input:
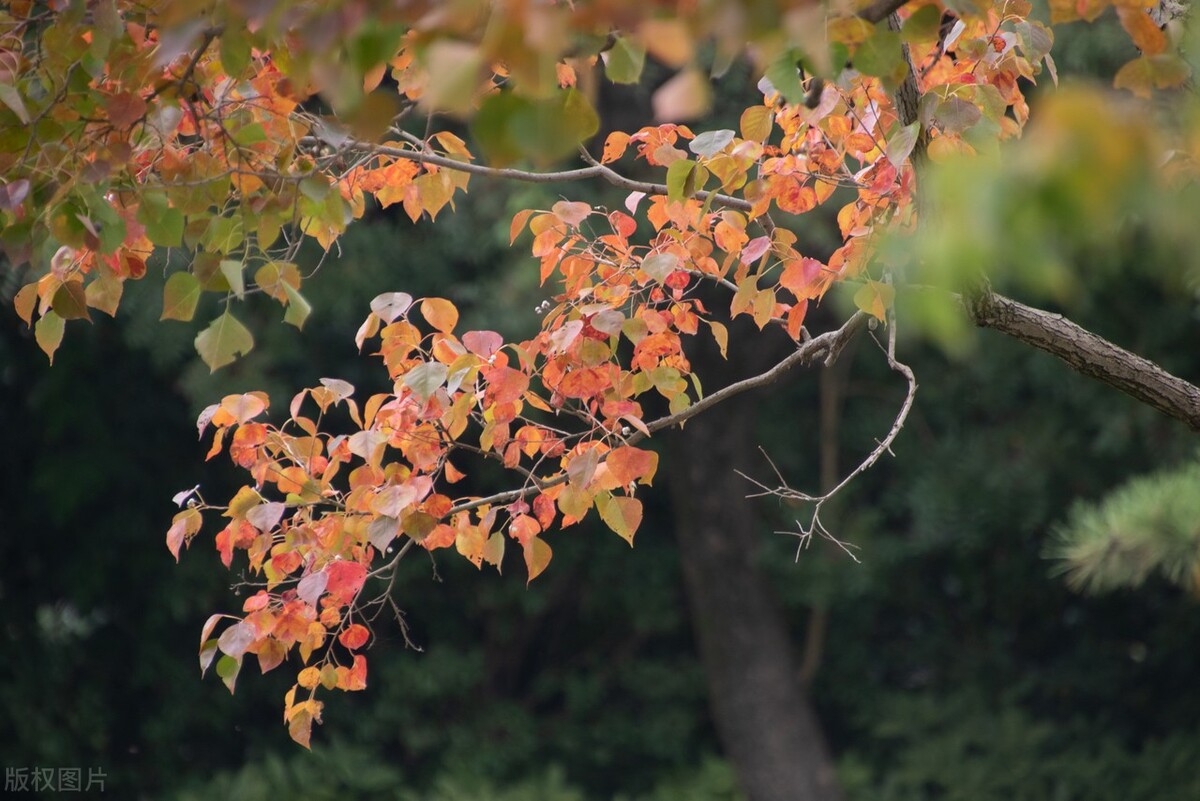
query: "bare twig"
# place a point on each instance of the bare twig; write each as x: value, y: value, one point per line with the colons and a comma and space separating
x: 782, y: 490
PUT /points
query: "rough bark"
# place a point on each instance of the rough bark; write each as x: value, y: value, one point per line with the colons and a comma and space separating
x: 1089, y: 354
x: 763, y: 717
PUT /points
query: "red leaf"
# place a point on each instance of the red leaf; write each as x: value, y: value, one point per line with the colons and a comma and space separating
x: 354, y: 637
x: 482, y: 343
x: 345, y: 580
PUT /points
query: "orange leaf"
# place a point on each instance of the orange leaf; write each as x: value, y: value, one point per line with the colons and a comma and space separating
x: 354, y: 637
x: 356, y: 677
x: 309, y: 678
x: 629, y: 464
x: 614, y: 146
x: 537, y: 556
x: 271, y: 654
x: 518, y: 224
x: 524, y: 528
x: 440, y: 313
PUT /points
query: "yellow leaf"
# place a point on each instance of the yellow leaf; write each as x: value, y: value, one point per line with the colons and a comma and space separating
x: 440, y: 313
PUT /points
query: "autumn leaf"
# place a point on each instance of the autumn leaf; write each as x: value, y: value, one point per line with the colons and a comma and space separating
x: 756, y: 123
x: 354, y: 637
x: 629, y: 464
x: 537, y: 557
x: 345, y: 580
x: 391, y: 305
x: 223, y: 341
x: 686, y: 96
x: 875, y: 298
x: 440, y: 313
x: 124, y: 109
x: 48, y: 331
x: 623, y: 62
x: 623, y: 515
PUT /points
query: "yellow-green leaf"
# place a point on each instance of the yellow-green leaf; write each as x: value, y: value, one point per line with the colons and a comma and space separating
x: 105, y: 294
x: 223, y: 341
x: 298, y: 308
x: 623, y: 515
x: 232, y: 270
x: 756, y: 123
x: 623, y: 62
x: 48, y: 331
x: 181, y: 292
x: 874, y: 298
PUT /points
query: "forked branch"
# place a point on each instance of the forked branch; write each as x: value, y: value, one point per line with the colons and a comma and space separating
x: 786, y: 492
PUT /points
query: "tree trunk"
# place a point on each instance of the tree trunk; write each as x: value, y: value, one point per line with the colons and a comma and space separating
x: 762, y: 714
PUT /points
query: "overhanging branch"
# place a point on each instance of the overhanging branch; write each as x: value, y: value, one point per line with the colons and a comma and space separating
x: 1089, y: 354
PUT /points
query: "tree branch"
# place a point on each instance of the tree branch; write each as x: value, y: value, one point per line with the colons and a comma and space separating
x: 826, y: 346
x: 880, y: 9
x: 595, y: 170
x: 1089, y: 354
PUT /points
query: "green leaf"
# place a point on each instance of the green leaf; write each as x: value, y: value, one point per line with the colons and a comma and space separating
x: 235, y: 51
x: 248, y: 135
x: 900, y: 142
x: 104, y: 294
x: 955, y: 115
x: 298, y: 308
x: 509, y: 127
x: 181, y: 293
x: 48, y: 331
x: 882, y: 57
x: 784, y: 76
x: 228, y: 669
x: 677, y: 178
x: 424, y: 379
x: 922, y: 26
x: 164, y: 225
x: 492, y: 127
x: 624, y: 61
x: 223, y: 341
x: 232, y: 270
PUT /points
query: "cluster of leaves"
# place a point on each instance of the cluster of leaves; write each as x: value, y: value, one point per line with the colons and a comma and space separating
x: 234, y: 134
